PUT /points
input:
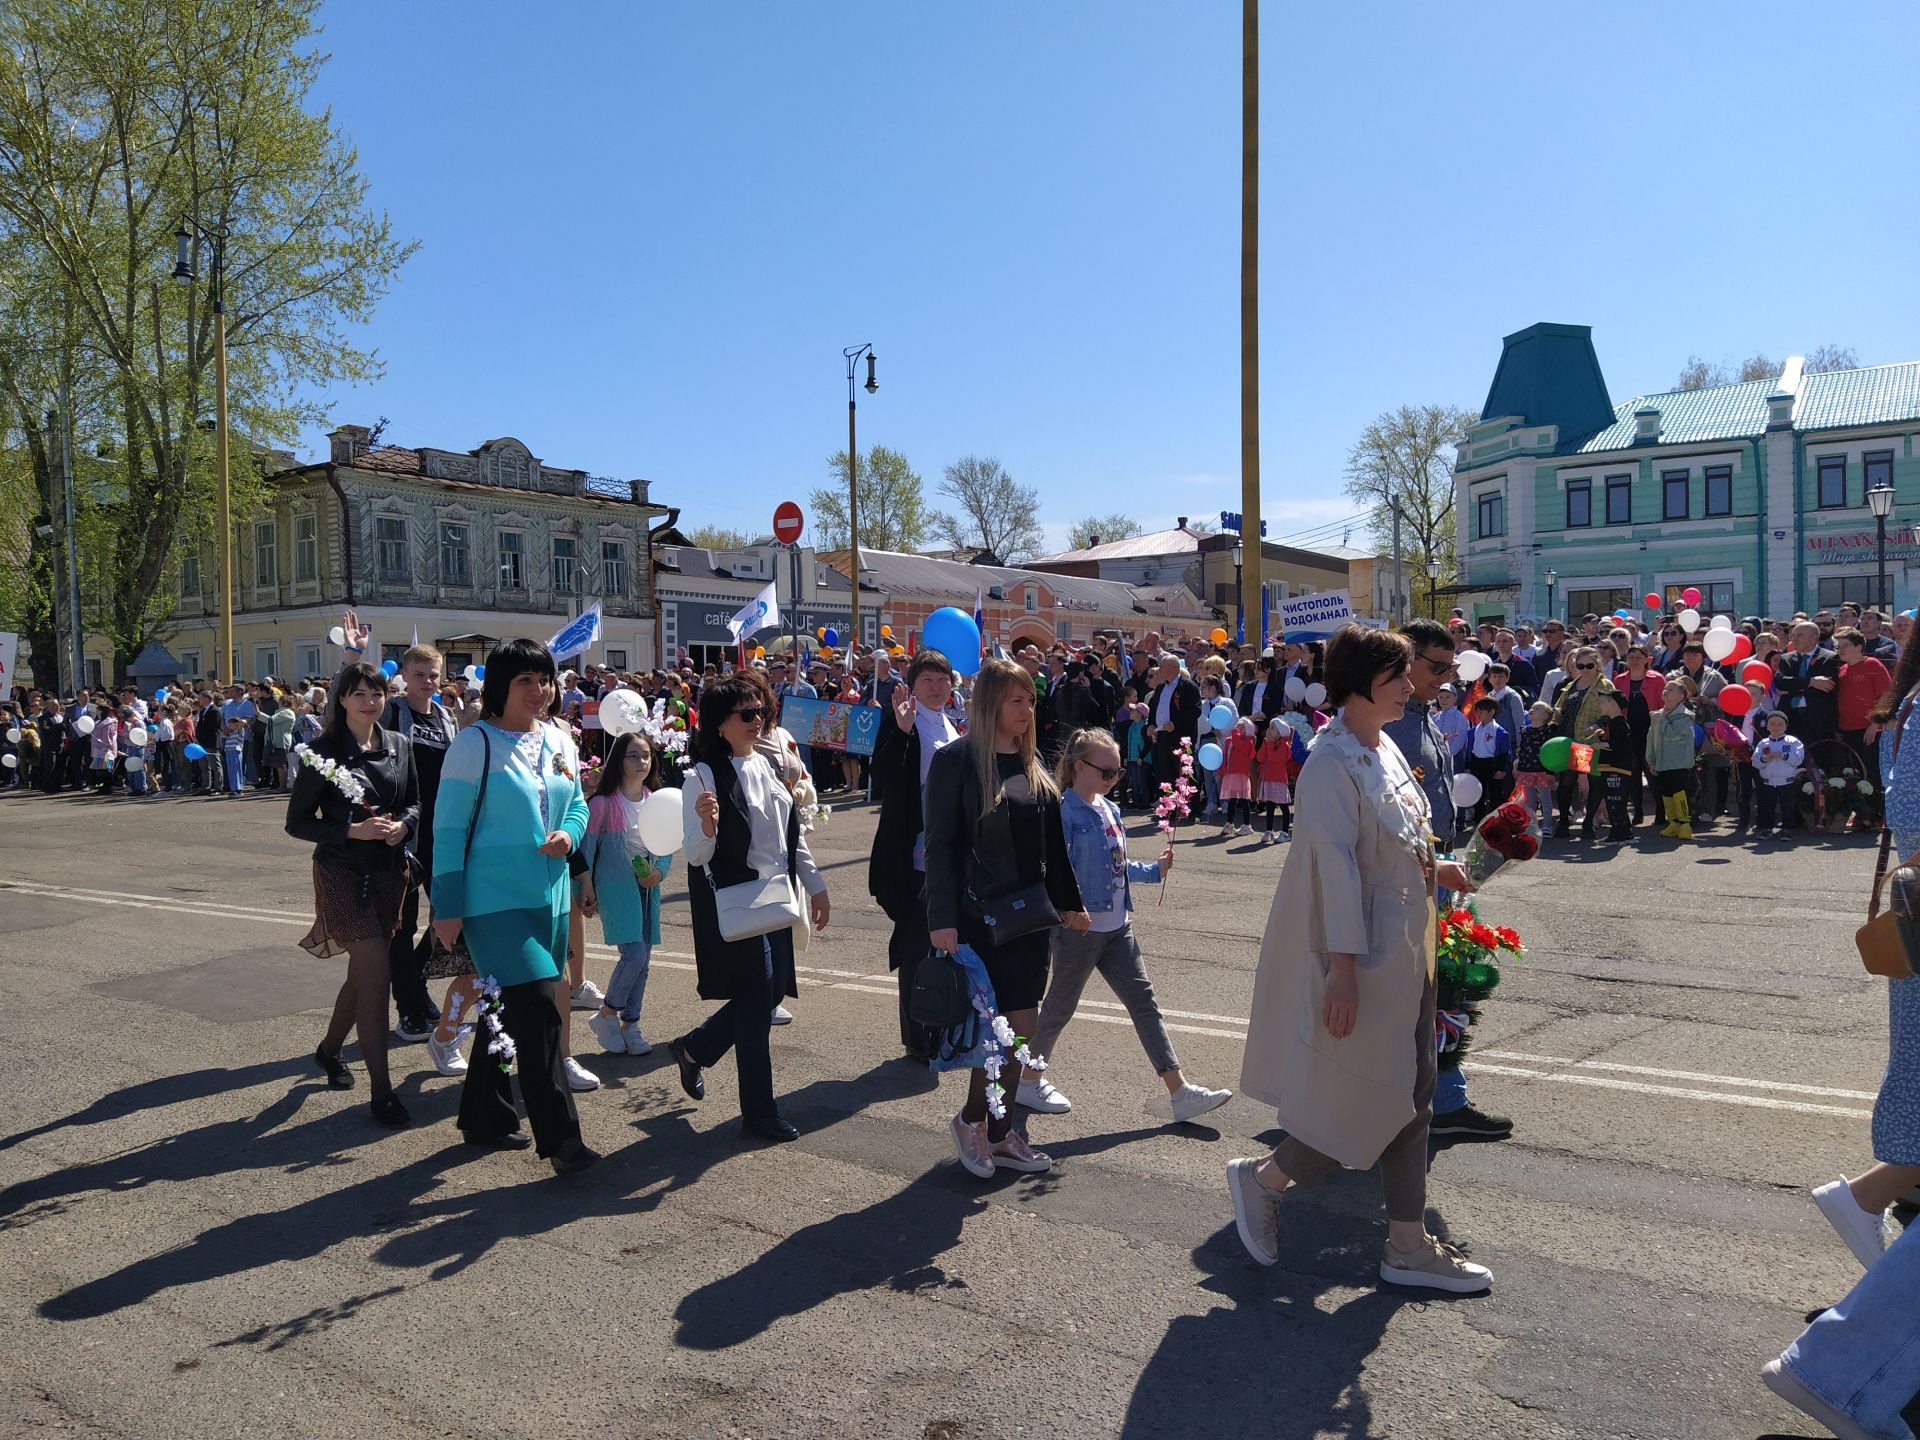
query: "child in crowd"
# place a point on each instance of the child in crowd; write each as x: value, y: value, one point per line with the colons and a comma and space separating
x: 233, y: 746
x: 1613, y: 761
x: 1776, y: 763
x: 622, y: 886
x: 1139, y: 754
x: 1535, y: 779
x: 1670, y: 757
x: 1489, y: 757
x: 1448, y: 720
x: 1236, y: 778
x: 1097, y: 847
x: 1276, y: 764
x: 1511, y: 708
x: 1213, y: 693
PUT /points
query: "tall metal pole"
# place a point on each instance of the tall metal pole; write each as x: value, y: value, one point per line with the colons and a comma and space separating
x: 853, y: 507
x: 74, y: 636
x: 227, y: 660
x: 1397, y: 612
x: 1252, y: 580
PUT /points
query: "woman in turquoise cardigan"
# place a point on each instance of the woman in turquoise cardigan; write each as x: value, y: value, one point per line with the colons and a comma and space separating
x: 509, y: 812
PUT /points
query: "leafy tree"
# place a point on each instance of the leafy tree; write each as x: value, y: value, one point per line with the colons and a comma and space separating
x: 1406, y: 456
x: 996, y: 513
x: 719, y: 537
x: 119, y: 120
x: 893, y: 513
x: 1117, y: 526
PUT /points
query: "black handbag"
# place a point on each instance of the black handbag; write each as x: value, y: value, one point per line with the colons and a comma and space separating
x: 1019, y: 913
x: 940, y: 998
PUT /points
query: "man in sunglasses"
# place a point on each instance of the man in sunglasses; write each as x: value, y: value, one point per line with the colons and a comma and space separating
x: 1426, y: 751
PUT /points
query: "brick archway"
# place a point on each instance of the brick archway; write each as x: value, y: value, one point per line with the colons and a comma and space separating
x: 1030, y: 631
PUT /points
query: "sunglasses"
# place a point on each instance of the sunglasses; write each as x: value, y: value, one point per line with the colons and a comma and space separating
x: 1440, y: 667
x: 752, y: 714
x: 1103, y: 771
x: 1585, y: 667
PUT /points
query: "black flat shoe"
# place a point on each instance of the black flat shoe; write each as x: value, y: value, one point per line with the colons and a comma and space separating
x: 573, y: 1159
x: 690, y: 1080
x: 388, y: 1111
x: 338, y: 1076
x: 771, y: 1128
x: 512, y: 1140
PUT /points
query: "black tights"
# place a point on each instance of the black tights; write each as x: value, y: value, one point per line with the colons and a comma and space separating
x: 362, y: 1005
x: 1024, y: 1022
x: 1286, y: 814
x: 1240, y: 812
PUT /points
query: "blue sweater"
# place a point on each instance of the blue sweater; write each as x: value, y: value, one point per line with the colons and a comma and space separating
x: 504, y: 872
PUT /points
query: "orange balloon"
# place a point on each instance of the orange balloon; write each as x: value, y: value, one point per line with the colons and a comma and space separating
x: 886, y: 632
x: 1219, y: 635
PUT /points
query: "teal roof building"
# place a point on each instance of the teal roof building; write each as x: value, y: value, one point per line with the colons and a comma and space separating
x: 1755, y: 494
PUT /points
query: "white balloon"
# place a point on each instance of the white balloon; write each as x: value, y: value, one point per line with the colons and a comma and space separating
x: 14, y: 735
x: 1296, y: 690
x: 1721, y: 622
x: 336, y: 636
x: 137, y: 737
x: 9, y: 761
x: 1472, y: 664
x: 1689, y: 620
x: 135, y: 764
x: 471, y: 672
x: 659, y: 822
x: 1718, y: 645
x: 84, y: 724
x: 1316, y: 694
x: 620, y: 713
x: 1467, y: 789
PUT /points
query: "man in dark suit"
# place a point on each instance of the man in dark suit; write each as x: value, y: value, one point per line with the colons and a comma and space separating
x: 1174, y: 715
x: 908, y: 739
x: 1807, y: 680
x: 206, y: 730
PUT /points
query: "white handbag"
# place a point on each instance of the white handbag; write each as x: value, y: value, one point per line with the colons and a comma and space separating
x: 756, y: 907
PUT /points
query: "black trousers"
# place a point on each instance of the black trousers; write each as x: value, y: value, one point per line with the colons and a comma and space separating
x: 906, y: 947
x: 1609, y: 788
x: 407, y: 959
x: 742, y: 1025
x: 486, y: 1099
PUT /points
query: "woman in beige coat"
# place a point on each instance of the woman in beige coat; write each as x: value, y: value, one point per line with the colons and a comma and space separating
x: 1341, y: 1039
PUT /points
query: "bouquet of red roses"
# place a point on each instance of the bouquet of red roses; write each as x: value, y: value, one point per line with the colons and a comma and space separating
x: 1508, y: 833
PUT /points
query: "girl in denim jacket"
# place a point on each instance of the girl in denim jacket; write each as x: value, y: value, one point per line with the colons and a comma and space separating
x: 1097, y: 848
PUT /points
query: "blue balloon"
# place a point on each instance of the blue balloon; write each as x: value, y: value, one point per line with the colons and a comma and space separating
x: 1210, y: 756
x: 831, y: 638
x: 953, y: 633
x: 161, y: 694
x: 194, y: 752
x: 1221, y: 717
x: 1699, y: 736
x: 389, y: 668
x: 479, y: 672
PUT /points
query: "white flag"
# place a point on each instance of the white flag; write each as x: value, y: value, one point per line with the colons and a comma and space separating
x: 578, y: 633
x: 760, y: 613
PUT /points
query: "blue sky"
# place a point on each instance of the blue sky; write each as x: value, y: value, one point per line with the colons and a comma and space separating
x: 648, y: 231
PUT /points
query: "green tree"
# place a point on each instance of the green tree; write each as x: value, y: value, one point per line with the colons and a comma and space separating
x: 719, y: 537
x: 996, y: 514
x: 1405, y: 457
x: 1101, y: 529
x: 119, y: 119
x: 893, y: 511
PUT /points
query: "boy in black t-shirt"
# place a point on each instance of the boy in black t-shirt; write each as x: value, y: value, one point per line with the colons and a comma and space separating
x: 1613, y: 766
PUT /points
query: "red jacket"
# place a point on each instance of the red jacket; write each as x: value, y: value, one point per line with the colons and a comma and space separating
x: 1239, y: 751
x: 1861, y: 685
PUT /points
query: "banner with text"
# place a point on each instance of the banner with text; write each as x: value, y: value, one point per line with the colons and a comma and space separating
x: 1315, y: 617
x: 830, y: 724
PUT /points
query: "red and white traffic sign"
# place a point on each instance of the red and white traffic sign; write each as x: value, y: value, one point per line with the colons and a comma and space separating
x: 787, y: 522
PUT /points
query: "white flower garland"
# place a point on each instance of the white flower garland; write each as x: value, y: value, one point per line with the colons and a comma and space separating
x: 1000, y: 1040
x: 334, y: 773
x: 499, y: 1043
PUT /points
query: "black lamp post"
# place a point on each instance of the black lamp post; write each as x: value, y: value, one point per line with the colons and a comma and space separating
x: 854, y: 354
x: 217, y: 293
x: 1433, y: 587
x: 1552, y: 577
x: 1240, y: 599
x: 1880, y: 501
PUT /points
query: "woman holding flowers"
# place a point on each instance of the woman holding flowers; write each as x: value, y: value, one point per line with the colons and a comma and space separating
x: 1341, y: 1037
x: 357, y: 799
x: 508, y: 815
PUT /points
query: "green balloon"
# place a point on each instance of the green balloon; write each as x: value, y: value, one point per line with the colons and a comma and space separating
x: 1557, y: 754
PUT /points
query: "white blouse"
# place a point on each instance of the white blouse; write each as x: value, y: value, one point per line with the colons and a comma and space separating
x: 768, y: 805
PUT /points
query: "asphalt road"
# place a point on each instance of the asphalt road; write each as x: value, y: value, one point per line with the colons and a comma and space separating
x: 198, y: 1239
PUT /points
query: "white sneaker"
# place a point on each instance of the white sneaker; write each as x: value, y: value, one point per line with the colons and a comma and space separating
x: 638, y: 1044
x: 1861, y: 1231
x: 1256, y: 1211
x: 970, y: 1144
x: 782, y: 1015
x: 1196, y: 1100
x: 1225, y: 831
x: 1784, y: 1383
x: 606, y: 1029
x: 1435, y: 1266
x: 579, y: 1078
x: 1280, y: 835
x: 588, y: 996
x: 1039, y: 1095
x: 447, y: 1058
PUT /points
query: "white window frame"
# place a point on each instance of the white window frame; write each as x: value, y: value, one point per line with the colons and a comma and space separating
x: 266, y: 660
x: 1031, y: 598
x: 617, y: 659
x: 572, y: 562
x: 466, y: 548
x: 518, y: 584
x: 313, y: 659
x: 613, y: 565
x: 190, y: 663
x: 380, y: 543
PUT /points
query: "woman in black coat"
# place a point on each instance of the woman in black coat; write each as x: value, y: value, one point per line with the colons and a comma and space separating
x: 355, y: 797
x: 897, y: 872
x: 740, y: 827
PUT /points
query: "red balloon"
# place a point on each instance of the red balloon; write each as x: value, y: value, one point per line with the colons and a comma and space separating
x: 1653, y: 602
x: 1742, y: 648
x: 1757, y: 672
x: 1691, y: 595
x: 1734, y: 700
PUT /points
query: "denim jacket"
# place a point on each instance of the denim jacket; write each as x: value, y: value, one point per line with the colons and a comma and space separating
x: 1094, y: 866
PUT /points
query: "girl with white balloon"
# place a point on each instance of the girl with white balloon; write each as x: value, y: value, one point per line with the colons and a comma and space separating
x: 622, y: 883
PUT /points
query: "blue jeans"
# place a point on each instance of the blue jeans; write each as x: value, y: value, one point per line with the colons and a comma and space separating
x: 1863, y: 1356
x: 628, y: 985
x: 1450, y: 1086
x: 232, y: 758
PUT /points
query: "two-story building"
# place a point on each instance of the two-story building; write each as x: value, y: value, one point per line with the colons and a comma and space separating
x: 464, y: 547
x: 1755, y: 493
x: 696, y: 593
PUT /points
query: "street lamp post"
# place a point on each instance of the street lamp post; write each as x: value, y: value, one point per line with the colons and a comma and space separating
x: 1433, y: 587
x: 216, y: 291
x: 1239, y: 596
x: 1552, y: 578
x: 1880, y: 501
x: 853, y: 354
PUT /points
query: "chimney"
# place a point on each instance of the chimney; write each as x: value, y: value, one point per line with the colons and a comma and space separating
x: 639, y: 489
x: 1092, y: 540
x: 349, y: 443
x: 1182, y: 523
x: 1646, y: 426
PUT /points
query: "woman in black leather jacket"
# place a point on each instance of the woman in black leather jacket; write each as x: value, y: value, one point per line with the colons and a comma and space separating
x: 356, y: 798
x: 993, y: 829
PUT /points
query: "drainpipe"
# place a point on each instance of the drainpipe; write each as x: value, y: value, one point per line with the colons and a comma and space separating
x: 346, y: 531
x: 660, y: 658
x: 1760, y: 488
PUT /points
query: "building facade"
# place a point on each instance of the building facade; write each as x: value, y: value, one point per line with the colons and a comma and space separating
x: 467, y: 548
x: 1755, y: 493
x: 696, y: 593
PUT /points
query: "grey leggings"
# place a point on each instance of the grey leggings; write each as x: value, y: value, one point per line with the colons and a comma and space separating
x: 1116, y: 955
x: 1403, y: 1164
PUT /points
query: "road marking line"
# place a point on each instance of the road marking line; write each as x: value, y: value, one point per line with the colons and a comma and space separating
x: 849, y: 980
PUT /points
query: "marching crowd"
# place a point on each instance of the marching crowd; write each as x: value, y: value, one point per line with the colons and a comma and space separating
x: 518, y: 803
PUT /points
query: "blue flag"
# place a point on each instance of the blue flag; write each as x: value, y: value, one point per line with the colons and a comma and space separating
x: 578, y: 634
